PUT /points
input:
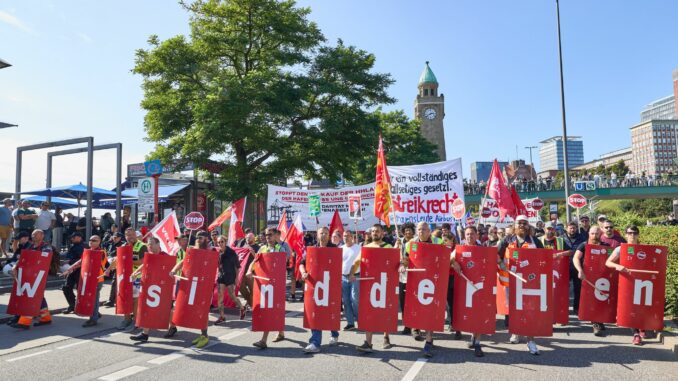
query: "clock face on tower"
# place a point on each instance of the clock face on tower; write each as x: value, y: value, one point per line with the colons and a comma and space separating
x: 430, y: 113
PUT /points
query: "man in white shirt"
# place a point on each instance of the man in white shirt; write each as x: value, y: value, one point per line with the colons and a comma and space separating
x: 350, y: 287
x: 46, y: 221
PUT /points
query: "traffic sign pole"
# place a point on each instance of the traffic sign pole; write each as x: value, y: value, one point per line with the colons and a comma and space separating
x: 155, y: 199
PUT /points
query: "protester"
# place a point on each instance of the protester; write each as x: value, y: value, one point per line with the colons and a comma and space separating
x: 336, y: 238
x: 153, y: 248
x: 227, y: 274
x: 46, y: 221
x: 471, y: 239
x: 106, y: 222
x: 450, y: 241
x: 633, y: 238
x: 572, y: 239
x: 213, y: 243
x: 73, y: 255
x: 493, y: 239
x: 24, y: 322
x: 111, y: 248
x: 271, y: 246
x: 350, y: 286
x: 539, y: 229
x: 6, y: 226
x: 94, y: 245
x: 21, y: 242
x: 138, y: 250
x: 323, y: 236
x: 585, y: 225
x: 520, y: 239
x: 578, y: 260
x: 246, y: 286
x: 408, y: 230
x: 610, y: 236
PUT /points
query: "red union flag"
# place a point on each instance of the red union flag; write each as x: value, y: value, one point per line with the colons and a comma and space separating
x: 531, y: 302
x: 89, y: 280
x: 497, y: 190
x: 322, y: 296
x: 641, y: 294
x: 378, y: 305
x: 29, y: 287
x: 166, y: 231
x: 561, y: 290
x: 155, y: 298
x: 598, y: 299
x: 474, y: 303
x: 382, y: 187
x: 194, y: 297
x: 124, y: 301
x: 268, y: 310
x: 426, y: 291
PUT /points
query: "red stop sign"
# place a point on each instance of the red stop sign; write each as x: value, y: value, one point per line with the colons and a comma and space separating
x: 458, y: 208
x: 577, y: 201
x: 194, y: 221
x: 486, y: 212
x: 537, y: 204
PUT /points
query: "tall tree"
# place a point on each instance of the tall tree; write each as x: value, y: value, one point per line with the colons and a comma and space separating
x: 257, y: 87
x: 403, y: 144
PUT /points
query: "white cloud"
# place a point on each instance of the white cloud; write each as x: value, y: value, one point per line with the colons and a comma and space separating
x: 15, y: 22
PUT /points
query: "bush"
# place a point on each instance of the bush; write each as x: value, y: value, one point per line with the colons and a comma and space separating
x: 665, y: 236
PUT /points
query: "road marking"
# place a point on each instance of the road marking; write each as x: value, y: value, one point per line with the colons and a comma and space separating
x: 27, y: 356
x: 123, y: 373
x: 231, y: 335
x: 167, y: 358
x: 414, y: 370
x: 74, y: 344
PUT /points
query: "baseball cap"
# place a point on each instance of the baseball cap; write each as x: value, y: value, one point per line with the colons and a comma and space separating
x: 118, y: 234
x: 203, y: 233
x: 22, y: 234
x: 6, y: 199
x: 602, y: 217
x: 522, y: 218
x: 76, y: 234
x: 549, y: 225
x: 584, y: 218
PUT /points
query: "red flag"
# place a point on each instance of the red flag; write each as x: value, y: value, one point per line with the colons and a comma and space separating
x: 236, y: 209
x: 166, y: 231
x: 282, y: 226
x: 295, y: 238
x: 382, y: 187
x: 520, y: 207
x: 336, y: 223
x: 497, y: 190
x: 235, y: 231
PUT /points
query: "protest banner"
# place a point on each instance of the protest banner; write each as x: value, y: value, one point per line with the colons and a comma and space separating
x: 598, y: 299
x: 531, y: 302
x: 378, y: 305
x: 268, y: 310
x: 90, y: 267
x: 124, y: 301
x: 561, y: 290
x: 474, y: 301
x: 29, y: 287
x: 192, y: 306
x: 322, y: 294
x: 489, y: 206
x: 426, y: 291
x: 155, y: 298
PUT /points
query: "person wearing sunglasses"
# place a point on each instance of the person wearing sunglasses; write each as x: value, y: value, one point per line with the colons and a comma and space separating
x: 610, y: 235
x: 632, y: 237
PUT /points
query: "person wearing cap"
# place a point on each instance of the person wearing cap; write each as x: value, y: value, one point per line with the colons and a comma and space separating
x: 551, y: 241
x: 21, y: 242
x: 6, y: 226
x: 520, y: 239
x: 111, y: 248
x: 24, y: 322
x: 95, y: 246
x: 73, y: 255
x: 26, y: 217
x: 633, y: 238
x: 584, y: 225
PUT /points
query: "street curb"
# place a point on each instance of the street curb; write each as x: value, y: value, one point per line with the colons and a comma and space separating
x: 668, y: 338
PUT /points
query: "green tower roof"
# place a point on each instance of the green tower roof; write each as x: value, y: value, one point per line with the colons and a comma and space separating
x: 427, y: 76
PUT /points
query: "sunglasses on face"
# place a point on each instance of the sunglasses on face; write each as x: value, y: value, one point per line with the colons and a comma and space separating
x: 607, y: 227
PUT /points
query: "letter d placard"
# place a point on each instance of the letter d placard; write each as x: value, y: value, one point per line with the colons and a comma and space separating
x: 378, y: 306
x: 322, y: 295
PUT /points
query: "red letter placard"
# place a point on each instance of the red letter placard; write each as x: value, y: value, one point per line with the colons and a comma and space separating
x: 322, y: 296
x: 641, y: 294
x: 426, y: 292
x: 124, y: 302
x: 378, y: 306
x: 89, y: 280
x: 155, y: 298
x: 501, y: 297
x: 531, y: 302
x: 29, y: 288
x: 475, y: 304
x: 561, y: 290
x: 599, y: 303
x: 268, y: 311
x: 192, y: 307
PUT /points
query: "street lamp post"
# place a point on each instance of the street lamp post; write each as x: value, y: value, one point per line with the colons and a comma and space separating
x: 562, y: 107
x: 531, y: 148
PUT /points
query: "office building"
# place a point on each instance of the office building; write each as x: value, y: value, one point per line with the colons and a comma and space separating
x: 655, y: 147
x: 609, y: 159
x: 551, y: 153
x: 664, y: 108
x: 480, y: 170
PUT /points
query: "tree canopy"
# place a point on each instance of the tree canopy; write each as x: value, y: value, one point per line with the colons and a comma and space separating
x: 257, y: 87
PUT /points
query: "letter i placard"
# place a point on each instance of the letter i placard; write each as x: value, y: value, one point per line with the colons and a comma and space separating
x: 641, y: 292
x: 27, y: 293
x: 531, y: 302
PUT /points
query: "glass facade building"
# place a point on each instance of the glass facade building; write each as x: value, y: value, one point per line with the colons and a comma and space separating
x: 551, y: 155
x: 661, y: 109
x: 480, y: 170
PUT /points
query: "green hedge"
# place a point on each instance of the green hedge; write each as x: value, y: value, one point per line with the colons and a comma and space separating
x: 666, y: 236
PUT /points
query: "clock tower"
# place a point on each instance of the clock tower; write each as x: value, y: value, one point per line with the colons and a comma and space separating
x: 429, y: 108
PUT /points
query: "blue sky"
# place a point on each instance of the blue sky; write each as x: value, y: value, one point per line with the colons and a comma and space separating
x: 496, y: 62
